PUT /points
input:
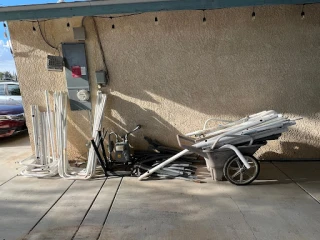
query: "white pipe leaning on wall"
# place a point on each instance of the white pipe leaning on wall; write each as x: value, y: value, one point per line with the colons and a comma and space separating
x: 50, y: 139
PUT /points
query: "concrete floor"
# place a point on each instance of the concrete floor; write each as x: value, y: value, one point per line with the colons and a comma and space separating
x: 13, y: 149
x: 282, y: 204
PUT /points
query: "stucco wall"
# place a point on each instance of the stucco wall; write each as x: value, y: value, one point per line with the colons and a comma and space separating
x: 173, y: 76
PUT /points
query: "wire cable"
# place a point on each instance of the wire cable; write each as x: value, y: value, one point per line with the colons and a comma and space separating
x: 120, y: 16
x: 101, y: 48
x: 45, y: 40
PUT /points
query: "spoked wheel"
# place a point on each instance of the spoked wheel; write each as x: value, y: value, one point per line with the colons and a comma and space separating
x: 236, y: 173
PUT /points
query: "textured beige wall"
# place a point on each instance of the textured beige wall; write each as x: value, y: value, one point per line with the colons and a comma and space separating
x: 172, y: 76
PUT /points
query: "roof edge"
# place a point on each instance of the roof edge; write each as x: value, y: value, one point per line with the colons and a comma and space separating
x: 92, y: 8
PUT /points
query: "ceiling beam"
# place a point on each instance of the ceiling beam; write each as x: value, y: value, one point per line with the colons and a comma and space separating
x: 91, y: 8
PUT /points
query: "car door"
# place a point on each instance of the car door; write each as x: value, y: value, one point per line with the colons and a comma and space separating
x: 3, y: 97
x: 14, y: 95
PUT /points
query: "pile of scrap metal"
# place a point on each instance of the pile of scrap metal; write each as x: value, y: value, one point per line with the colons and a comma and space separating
x: 50, y: 140
x: 118, y: 159
x: 228, y: 148
x: 157, y: 153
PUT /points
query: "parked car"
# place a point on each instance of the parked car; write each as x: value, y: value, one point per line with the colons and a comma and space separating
x: 10, y: 93
x: 12, y: 120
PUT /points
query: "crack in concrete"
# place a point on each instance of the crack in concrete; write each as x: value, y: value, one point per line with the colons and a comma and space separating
x: 94, y: 199
x: 313, y: 197
x: 105, y: 220
x: 50, y: 208
x: 244, y: 218
x: 7, y: 181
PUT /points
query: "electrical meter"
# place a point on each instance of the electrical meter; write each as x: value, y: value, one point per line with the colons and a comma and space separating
x: 83, y: 95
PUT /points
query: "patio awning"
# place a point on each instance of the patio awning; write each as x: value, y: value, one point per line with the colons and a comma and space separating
x: 92, y: 8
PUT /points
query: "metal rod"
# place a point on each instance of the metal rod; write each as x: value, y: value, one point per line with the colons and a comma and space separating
x: 99, y: 157
x: 103, y: 149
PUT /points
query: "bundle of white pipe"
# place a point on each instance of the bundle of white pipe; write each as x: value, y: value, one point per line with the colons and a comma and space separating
x: 259, y: 125
x: 89, y: 171
x: 50, y: 139
x: 45, y: 163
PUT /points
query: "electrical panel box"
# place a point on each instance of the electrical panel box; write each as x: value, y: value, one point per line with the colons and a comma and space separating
x: 77, y: 75
x: 101, y: 77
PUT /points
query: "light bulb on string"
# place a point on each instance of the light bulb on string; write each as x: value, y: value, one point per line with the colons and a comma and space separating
x: 253, y: 15
x: 204, y: 19
x: 5, y: 30
x: 34, y: 30
x: 113, y: 26
x: 302, y: 13
x: 68, y: 26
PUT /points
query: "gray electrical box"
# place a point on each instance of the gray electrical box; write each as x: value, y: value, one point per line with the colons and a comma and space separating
x: 101, y: 77
x: 77, y: 75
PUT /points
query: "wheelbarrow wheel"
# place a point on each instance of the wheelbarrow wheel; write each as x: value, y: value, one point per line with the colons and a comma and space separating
x: 236, y: 173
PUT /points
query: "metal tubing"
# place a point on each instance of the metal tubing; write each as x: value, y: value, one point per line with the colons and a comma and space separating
x: 161, y: 165
x: 103, y: 149
x: 239, y: 154
x: 99, y: 157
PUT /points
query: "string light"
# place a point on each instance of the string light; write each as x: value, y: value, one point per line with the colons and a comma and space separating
x: 34, y: 30
x: 253, y: 14
x: 112, y: 26
x: 204, y: 19
x: 68, y: 26
x: 5, y: 30
x: 302, y: 13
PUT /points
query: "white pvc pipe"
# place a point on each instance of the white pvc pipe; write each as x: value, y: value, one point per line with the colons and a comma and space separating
x: 239, y: 154
x: 245, y: 119
x: 50, y: 130
x: 89, y: 172
x: 161, y: 165
x: 234, y: 130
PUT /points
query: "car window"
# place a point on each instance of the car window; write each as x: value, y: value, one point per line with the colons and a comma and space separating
x: 2, y: 92
x: 13, y: 89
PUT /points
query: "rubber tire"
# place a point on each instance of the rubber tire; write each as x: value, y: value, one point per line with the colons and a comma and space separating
x: 226, y: 165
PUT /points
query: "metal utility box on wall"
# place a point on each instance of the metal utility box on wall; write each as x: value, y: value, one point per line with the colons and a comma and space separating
x: 101, y: 78
x: 77, y: 75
